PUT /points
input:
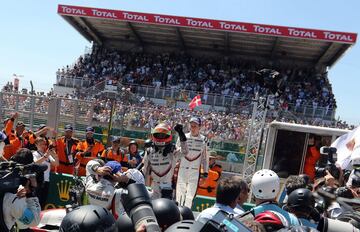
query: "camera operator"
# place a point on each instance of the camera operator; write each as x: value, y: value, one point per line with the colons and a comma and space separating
x: 22, y: 207
x: 101, y: 179
x: 45, y: 155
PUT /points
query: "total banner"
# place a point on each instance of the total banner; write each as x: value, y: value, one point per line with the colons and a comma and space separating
x: 208, y: 24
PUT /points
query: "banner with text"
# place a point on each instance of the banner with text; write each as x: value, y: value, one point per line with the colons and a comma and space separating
x: 209, y: 24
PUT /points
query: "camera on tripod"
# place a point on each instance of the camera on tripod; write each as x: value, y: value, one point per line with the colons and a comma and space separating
x: 327, y: 163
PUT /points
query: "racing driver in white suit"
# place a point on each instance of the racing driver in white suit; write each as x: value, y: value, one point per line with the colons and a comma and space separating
x: 189, y: 169
x: 160, y: 159
x: 101, y: 180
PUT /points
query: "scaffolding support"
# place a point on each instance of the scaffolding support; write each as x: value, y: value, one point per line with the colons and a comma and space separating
x: 256, y: 127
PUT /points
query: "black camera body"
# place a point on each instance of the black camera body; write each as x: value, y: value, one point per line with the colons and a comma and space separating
x: 12, y: 175
x: 223, y: 222
x: 327, y: 163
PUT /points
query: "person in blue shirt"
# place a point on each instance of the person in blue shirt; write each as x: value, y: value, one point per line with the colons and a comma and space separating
x: 265, y: 186
x: 134, y: 158
x: 227, y: 193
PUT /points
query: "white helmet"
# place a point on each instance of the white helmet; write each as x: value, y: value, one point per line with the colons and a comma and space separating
x: 135, y: 175
x: 265, y: 184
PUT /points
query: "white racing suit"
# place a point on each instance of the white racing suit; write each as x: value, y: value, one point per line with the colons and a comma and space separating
x: 189, y: 169
x: 101, y: 191
x: 160, y: 167
x: 24, y: 211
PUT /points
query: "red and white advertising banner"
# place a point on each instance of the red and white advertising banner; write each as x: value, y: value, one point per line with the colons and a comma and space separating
x: 209, y: 24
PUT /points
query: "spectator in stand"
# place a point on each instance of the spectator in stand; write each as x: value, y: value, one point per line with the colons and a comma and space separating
x: 180, y: 71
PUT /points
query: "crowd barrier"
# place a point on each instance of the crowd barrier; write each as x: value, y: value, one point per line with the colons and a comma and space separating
x: 60, y: 185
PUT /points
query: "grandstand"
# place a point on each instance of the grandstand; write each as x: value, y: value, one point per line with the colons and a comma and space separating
x: 301, y: 55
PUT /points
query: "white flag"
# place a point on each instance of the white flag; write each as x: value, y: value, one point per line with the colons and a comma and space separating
x: 345, y: 146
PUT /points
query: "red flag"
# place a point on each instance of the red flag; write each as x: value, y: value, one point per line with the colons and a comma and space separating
x: 196, y: 101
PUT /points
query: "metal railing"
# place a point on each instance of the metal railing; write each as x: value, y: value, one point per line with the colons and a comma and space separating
x: 232, y: 102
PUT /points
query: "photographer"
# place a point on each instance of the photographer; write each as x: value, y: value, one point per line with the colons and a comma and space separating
x: 101, y: 179
x: 22, y: 207
x: 47, y: 156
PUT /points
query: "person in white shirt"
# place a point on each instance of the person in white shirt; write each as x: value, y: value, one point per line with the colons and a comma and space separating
x: 227, y: 193
x: 46, y: 156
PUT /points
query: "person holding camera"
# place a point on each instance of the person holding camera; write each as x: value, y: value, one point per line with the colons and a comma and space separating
x: 47, y: 156
x: 21, y: 206
x: 101, y: 179
x: 160, y: 159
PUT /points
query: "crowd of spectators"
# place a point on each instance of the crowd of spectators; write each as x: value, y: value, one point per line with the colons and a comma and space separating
x: 206, y: 75
x: 144, y: 115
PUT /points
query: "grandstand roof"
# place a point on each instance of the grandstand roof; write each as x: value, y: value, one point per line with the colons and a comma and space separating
x: 125, y: 30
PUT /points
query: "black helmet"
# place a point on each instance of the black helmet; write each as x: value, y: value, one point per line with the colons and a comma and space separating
x: 186, y: 213
x: 186, y: 226
x: 124, y: 224
x: 166, y: 212
x: 88, y: 218
x: 301, y: 199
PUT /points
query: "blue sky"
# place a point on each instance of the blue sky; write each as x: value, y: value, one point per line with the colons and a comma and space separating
x: 35, y: 41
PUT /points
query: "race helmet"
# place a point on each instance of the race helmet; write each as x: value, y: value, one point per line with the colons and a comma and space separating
x: 135, y: 175
x: 88, y: 218
x: 265, y: 184
x: 166, y: 211
x: 161, y: 134
x: 301, y: 199
x: 271, y: 220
